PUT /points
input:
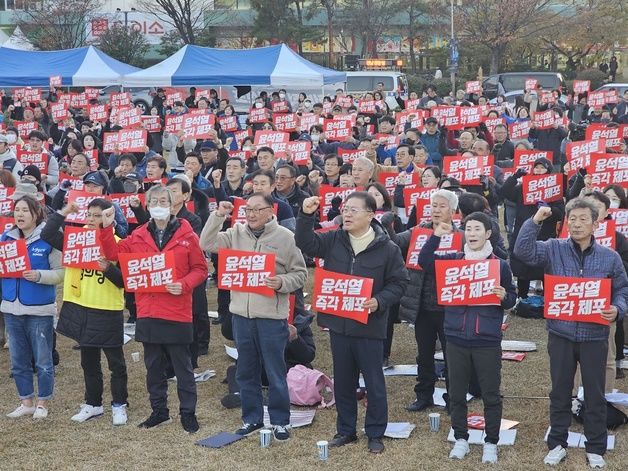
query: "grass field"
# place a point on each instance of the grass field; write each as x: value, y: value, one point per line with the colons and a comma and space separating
x: 58, y: 443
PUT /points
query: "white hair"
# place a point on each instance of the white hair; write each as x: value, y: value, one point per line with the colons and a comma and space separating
x: 363, y: 160
x: 450, y: 196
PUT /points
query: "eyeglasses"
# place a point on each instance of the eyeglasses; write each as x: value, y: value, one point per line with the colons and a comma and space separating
x: 353, y: 211
x: 255, y: 211
x: 164, y: 203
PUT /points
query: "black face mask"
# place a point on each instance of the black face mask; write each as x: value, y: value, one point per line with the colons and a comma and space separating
x: 410, y: 142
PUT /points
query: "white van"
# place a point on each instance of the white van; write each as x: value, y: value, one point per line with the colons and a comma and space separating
x: 395, y: 83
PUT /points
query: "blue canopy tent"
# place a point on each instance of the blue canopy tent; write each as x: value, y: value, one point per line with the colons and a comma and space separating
x: 81, y: 67
x: 276, y: 66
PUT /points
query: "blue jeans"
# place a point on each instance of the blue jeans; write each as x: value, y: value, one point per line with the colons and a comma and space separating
x: 30, y: 337
x: 261, y: 344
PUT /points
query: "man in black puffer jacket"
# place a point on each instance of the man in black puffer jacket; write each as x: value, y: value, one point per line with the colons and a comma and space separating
x: 361, y: 247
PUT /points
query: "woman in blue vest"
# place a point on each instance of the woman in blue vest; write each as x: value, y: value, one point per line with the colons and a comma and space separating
x: 29, y: 307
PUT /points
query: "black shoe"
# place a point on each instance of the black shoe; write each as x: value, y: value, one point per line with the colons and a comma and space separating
x: 419, y: 405
x: 155, y: 420
x: 342, y: 440
x: 76, y: 347
x: 619, y: 373
x: 189, y: 422
x: 55, y: 358
x: 203, y: 352
x: 376, y: 445
x: 231, y: 401
x: 217, y: 321
x: 386, y: 362
x: 281, y: 432
x: 248, y: 429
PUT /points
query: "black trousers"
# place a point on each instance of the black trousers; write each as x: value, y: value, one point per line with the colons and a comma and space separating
x: 157, y: 383
x: 352, y: 355
x: 564, y: 355
x: 393, y: 318
x: 619, y: 341
x: 92, y: 374
x: 486, y: 363
x: 129, y: 301
x: 427, y: 328
x: 200, y: 319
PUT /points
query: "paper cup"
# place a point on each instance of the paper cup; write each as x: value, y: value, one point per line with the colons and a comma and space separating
x: 135, y: 356
x: 434, y: 421
x: 264, y: 438
x: 323, y: 449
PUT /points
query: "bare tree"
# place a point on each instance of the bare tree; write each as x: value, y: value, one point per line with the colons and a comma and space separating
x: 193, y: 19
x: 125, y: 44
x: 331, y: 7
x: 58, y: 24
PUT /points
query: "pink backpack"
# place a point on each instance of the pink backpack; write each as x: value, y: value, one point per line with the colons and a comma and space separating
x: 305, y: 386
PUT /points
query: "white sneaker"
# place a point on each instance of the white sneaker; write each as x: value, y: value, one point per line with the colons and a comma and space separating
x: 595, y: 461
x: 21, y: 411
x: 87, y: 412
x: 460, y: 449
x: 555, y: 456
x: 119, y: 415
x: 489, y: 455
x: 40, y: 413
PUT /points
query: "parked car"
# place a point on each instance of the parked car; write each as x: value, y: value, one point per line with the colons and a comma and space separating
x: 511, y: 97
x: 620, y: 87
x: 500, y: 84
x: 140, y: 96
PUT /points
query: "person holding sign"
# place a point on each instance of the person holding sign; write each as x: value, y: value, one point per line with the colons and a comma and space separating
x: 260, y: 326
x: 29, y: 305
x: 573, y: 341
x: 361, y: 248
x: 92, y: 311
x: 164, y: 319
x: 473, y: 332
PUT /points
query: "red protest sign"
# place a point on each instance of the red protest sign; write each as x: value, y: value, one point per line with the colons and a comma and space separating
x: 92, y: 93
x: 79, y: 100
x: 328, y: 193
x: 81, y: 199
x: 468, y: 170
x: 620, y: 216
x: 280, y: 106
x: 544, y: 119
x: 463, y: 282
x: 109, y: 142
x: 614, y: 136
x: 576, y: 299
x: 349, y: 155
x: 343, y: 101
x: 581, y: 86
x: 129, y: 117
x: 174, y: 95
x: 98, y: 113
x: 147, y: 272
x: 449, y: 243
x: 337, y: 129
x: 519, y: 130
x: 596, y: 100
x: 579, y: 153
x: 307, y: 120
x: 173, y: 123
x: 492, y: 123
x: 6, y: 223
x: 14, y: 258
x: 410, y: 118
x: 151, y: 123
x: 341, y: 295
x: 132, y: 140
x: 55, y: 81
x: 525, y: 159
x: 39, y: 159
x: 24, y: 128
x: 276, y: 140
x: 389, y: 180
x: 240, y: 136
x: 390, y: 141
x: 367, y: 106
x: 259, y: 115
x: 122, y: 199
x: 198, y: 126
x: 546, y: 188
x: 228, y: 123
x: 299, y: 151
x: 27, y: 94
x: 470, y: 116
x: 116, y: 100
x: 81, y: 248
x: 608, y: 169
x: 59, y: 112
x: 448, y: 116
x: 473, y: 86
x: 530, y: 84
x: 65, y: 98
x: 412, y: 104
x: 412, y: 196
x: 77, y: 183
x: 92, y: 155
x: 240, y: 270
x: 241, y: 154
x: 285, y: 122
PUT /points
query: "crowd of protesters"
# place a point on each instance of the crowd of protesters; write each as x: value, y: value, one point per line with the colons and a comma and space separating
x: 182, y: 195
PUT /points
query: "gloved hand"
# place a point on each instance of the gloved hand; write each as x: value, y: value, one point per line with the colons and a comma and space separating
x: 520, y: 173
x: 582, y: 171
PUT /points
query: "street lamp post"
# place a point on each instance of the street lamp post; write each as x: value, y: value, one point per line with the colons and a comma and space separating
x: 126, y: 15
x: 453, y: 51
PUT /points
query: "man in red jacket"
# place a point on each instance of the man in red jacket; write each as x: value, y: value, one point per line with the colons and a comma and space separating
x: 164, y: 320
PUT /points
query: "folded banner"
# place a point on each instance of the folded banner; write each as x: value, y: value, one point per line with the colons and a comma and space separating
x: 147, y: 272
x: 576, y: 299
x: 241, y: 270
x: 341, y: 295
x: 462, y: 282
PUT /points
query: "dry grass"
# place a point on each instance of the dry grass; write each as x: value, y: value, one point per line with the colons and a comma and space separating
x: 58, y: 443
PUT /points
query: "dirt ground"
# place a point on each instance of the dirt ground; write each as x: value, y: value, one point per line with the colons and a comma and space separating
x: 60, y: 444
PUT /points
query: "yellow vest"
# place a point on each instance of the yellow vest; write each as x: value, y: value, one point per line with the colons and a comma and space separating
x: 90, y: 288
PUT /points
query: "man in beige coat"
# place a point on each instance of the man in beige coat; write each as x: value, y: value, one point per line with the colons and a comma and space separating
x: 260, y: 326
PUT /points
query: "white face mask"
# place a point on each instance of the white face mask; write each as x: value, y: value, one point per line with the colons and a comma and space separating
x: 11, y: 138
x: 282, y: 95
x: 308, y: 105
x: 259, y: 105
x: 316, y: 137
x: 614, y: 204
x: 159, y: 212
